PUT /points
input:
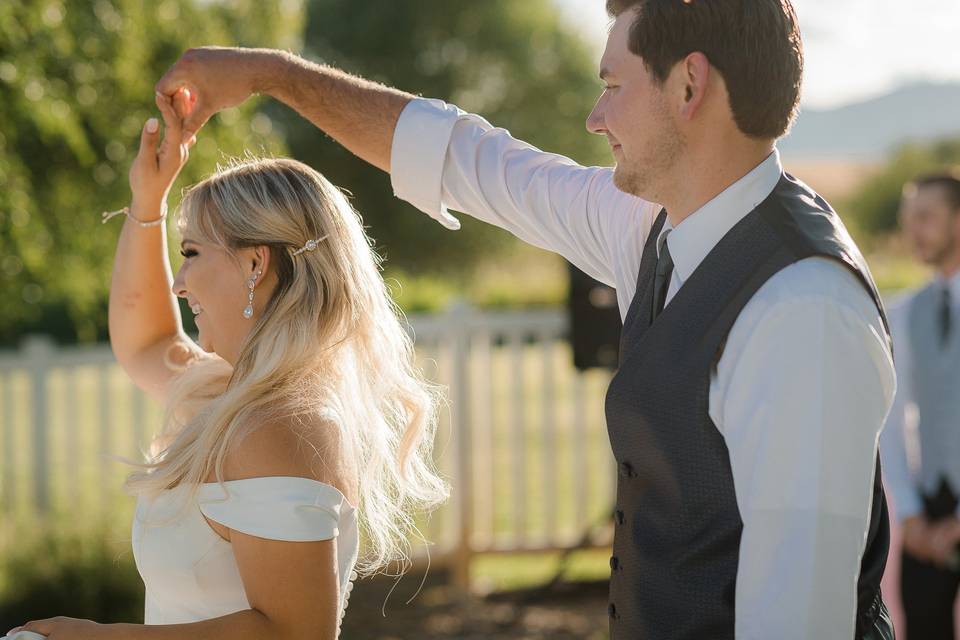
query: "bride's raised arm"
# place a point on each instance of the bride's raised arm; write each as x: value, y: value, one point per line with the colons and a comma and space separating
x: 144, y: 317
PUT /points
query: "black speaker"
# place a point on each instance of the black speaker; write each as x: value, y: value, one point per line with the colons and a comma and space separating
x: 594, y: 322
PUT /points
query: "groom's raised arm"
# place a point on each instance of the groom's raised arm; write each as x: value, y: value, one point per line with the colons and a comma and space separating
x: 359, y: 114
x: 437, y: 155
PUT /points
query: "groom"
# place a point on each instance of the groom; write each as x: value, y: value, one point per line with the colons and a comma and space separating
x: 756, y: 369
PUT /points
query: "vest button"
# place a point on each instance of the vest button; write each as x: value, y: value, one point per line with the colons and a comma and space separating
x: 626, y: 470
x: 612, y: 610
x: 614, y: 563
x: 620, y: 517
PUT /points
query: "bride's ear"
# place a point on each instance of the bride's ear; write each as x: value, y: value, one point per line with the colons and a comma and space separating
x: 258, y: 262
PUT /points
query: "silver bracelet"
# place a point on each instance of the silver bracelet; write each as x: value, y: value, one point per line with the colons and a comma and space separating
x: 126, y: 211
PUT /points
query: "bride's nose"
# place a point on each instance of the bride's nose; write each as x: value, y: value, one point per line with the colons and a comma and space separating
x: 178, y: 287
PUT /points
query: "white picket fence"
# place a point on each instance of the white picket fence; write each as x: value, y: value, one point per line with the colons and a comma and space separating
x: 523, y: 442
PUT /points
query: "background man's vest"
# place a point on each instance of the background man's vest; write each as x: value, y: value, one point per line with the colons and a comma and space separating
x: 935, y: 377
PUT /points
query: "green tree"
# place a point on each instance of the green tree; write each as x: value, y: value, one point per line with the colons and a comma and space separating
x: 516, y: 63
x: 873, y: 208
x: 76, y: 86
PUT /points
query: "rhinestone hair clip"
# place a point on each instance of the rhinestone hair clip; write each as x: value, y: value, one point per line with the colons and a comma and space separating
x: 310, y: 245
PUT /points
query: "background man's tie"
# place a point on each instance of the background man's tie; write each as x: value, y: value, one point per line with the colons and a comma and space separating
x: 945, y: 319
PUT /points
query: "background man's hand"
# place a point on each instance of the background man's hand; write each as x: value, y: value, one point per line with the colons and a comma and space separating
x: 935, y: 542
x: 217, y: 78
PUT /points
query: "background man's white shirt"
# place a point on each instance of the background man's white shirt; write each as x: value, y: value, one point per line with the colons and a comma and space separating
x: 801, y: 391
x: 900, y: 444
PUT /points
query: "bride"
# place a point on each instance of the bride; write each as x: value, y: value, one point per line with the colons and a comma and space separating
x: 301, y: 397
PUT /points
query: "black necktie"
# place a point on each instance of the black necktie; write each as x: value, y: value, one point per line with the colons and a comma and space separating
x: 661, y: 282
x: 944, y: 315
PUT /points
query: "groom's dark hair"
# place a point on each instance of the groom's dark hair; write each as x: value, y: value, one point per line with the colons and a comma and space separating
x: 755, y: 44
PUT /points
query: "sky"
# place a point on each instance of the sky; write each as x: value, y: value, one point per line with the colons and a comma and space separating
x: 854, y: 49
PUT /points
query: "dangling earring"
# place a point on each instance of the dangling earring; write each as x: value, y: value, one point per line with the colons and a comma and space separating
x: 248, y: 310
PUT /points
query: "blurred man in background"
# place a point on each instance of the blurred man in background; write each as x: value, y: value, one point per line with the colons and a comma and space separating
x: 923, y: 473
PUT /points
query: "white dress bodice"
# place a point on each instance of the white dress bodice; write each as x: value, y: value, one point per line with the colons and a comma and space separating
x: 190, y: 572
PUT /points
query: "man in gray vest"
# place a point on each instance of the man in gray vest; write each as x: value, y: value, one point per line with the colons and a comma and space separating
x: 925, y: 484
x: 755, y: 370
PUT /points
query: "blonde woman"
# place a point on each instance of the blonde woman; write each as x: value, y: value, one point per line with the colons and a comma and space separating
x: 301, y: 397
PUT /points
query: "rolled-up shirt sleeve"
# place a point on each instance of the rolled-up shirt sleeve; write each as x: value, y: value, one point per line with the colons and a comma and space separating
x: 443, y: 157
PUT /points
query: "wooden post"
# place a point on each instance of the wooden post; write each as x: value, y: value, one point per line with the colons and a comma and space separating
x: 38, y: 352
x: 459, y: 335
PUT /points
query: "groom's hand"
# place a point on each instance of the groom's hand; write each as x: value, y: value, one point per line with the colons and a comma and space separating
x: 217, y: 78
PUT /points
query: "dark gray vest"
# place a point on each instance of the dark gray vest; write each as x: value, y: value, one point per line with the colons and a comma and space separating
x: 935, y: 377
x: 677, y: 524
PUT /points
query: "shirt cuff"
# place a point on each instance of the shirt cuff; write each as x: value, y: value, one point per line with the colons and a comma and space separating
x: 419, y: 151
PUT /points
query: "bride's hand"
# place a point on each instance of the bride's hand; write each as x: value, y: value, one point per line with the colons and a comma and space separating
x: 154, y: 169
x: 63, y: 628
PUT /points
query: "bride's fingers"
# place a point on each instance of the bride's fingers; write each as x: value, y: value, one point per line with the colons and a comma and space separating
x: 148, y: 141
x: 171, y: 121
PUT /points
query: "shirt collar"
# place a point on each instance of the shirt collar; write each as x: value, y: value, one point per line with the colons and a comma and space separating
x: 953, y: 282
x: 699, y: 233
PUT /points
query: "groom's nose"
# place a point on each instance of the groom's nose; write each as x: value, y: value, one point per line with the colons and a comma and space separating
x: 595, y: 121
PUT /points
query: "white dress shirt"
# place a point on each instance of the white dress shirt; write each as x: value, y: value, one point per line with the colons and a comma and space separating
x: 800, y: 393
x: 899, y: 443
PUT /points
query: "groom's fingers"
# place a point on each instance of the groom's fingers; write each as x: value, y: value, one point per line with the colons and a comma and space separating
x: 197, y: 118
x: 174, y: 79
x: 183, y: 102
x: 190, y: 107
x: 182, y: 75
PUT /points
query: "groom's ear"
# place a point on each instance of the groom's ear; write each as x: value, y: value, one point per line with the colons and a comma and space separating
x: 692, y: 78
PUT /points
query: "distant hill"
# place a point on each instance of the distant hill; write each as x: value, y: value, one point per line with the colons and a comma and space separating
x: 866, y: 131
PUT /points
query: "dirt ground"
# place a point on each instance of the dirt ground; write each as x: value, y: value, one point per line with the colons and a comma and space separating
x: 563, y: 611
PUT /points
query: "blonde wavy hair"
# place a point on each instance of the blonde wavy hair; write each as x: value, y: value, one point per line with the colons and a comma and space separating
x: 330, y: 343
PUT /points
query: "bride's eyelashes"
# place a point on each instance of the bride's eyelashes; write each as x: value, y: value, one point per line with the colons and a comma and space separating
x: 189, y: 253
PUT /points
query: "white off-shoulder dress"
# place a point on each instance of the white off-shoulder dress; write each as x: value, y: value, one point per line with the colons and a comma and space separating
x: 190, y: 572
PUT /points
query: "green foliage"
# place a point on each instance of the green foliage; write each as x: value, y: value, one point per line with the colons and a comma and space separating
x: 513, y: 62
x: 79, y: 575
x: 873, y: 208
x: 76, y: 86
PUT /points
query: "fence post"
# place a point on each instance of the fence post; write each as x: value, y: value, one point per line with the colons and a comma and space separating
x: 9, y: 493
x: 459, y: 334
x: 38, y: 352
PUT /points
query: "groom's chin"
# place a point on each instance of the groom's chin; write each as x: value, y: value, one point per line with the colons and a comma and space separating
x: 626, y: 181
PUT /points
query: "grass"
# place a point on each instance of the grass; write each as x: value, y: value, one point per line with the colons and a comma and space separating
x: 499, y: 572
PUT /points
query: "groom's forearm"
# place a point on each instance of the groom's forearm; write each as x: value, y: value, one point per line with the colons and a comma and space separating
x: 359, y: 114
x: 248, y: 624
